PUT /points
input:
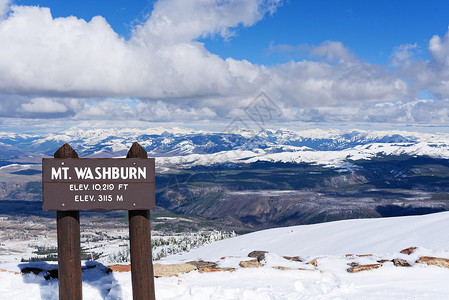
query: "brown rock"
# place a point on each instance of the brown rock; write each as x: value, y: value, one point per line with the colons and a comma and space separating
x: 381, y: 261
x: 409, y: 250
x: 159, y: 270
x: 434, y: 261
x: 213, y: 270
x: 314, y: 262
x: 250, y: 264
x: 199, y: 264
x: 6, y: 271
x: 172, y: 269
x: 120, y: 268
x: 293, y: 258
x: 282, y: 268
x: 401, y: 262
x: 365, y: 255
x: 288, y: 268
x: 360, y: 268
x: 260, y: 255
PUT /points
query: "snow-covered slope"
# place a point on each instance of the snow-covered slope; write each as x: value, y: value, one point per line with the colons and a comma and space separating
x: 384, y: 235
x: 328, y: 279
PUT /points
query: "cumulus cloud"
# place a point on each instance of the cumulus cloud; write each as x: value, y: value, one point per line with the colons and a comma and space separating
x: 309, y: 83
x: 71, y: 57
x: 70, y: 66
x: 333, y: 51
x: 183, y: 21
x: 403, y: 54
x: 416, y: 112
x: 426, y: 74
x: 4, y: 8
x: 43, y: 105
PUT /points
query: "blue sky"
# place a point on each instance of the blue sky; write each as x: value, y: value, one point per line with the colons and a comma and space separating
x: 330, y: 62
x: 371, y: 29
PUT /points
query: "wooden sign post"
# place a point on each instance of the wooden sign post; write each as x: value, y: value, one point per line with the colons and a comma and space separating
x: 142, y: 275
x: 71, y: 184
x: 69, y: 246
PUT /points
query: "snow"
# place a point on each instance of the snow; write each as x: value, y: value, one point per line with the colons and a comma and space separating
x: 386, y: 235
x: 329, y: 243
x: 336, y: 159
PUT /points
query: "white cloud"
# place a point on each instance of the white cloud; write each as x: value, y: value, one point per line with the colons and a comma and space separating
x: 407, y: 112
x: 43, y: 105
x: 318, y: 83
x: 72, y: 57
x: 403, y: 54
x: 4, y: 8
x: 165, y: 112
x: 84, y: 69
x: 185, y: 20
x: 426, y: 74
x: 333, y: 51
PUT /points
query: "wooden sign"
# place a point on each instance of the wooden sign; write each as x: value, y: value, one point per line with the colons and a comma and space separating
x: 98, y: 184
x: 71, y: 184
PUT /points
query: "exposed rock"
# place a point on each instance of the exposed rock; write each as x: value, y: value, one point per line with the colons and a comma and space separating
x: 260, y: 255
x: 398, y: 262
x: 120, y: 268
x: 293, y: 258
x: 160, y: 270
x: 288, y: 268
x: 224, y: 257
x: 353, y: 264
x: 364, y: 255
x: 408, y: 250
x: 199, y: 264
x: 363, y: 268
x: 381, y: 261
x: 250, y: 264
x: 282, y: 268
x: 213, y: 270
x: 172, y: 269
x: 314, y: 262
x: 6, y: 271
x: 434, y: 261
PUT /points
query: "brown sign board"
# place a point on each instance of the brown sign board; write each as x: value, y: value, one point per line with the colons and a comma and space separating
x: 98, y: 184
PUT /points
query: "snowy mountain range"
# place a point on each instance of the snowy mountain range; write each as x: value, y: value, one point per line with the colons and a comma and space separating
x: 187, y: 148
x: 248, y: 180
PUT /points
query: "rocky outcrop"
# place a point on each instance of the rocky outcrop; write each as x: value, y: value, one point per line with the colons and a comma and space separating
x: 360, y: 268
x: 250, y: 264
x: 200, y: 264
x: 292, y: 258
x: 314, y: 262
x: 120, y: 268
x: 409, y: 250
x: 172, y: 269
x: 434, y: 261
x: 6, y: 271
x: 259, y: 255
x: 213, y: 270
x: 398, y: 262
